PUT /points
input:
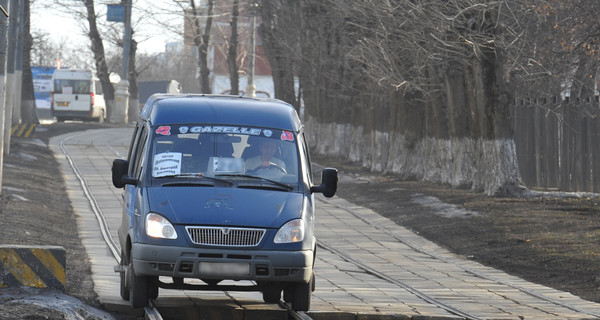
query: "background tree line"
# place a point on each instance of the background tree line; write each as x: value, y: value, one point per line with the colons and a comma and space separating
x: 424, y: 88
x: 421, y: 88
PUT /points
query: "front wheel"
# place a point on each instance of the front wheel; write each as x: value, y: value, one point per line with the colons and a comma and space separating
x: 152, y: 287
x: 138, y: 288
x: 272, y: 295
x: 299, y: 295
x: 123, y: 277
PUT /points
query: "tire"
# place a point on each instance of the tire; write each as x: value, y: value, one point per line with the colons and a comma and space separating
x: 152, y: 287
x: 272, y: 295
x: 301, y: 295
x: 138, y: 288
x: 124, y: 276
x: 101, y: 117
x: 288, y: 294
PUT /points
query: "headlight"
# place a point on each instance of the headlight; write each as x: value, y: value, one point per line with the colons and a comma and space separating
x: 292, y: 231
x: 159, y: 227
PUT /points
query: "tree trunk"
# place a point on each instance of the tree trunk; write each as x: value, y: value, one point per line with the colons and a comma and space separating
x: 134, y: 94
x: 234, y: 77
x: 201, y: 41
x: 100, y: 59
x: 278, y: 46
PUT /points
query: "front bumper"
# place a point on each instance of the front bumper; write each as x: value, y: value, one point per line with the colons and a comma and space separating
x: 257, y: 265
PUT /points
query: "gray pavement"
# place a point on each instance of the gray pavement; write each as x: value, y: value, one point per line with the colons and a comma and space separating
x: 367, y: 266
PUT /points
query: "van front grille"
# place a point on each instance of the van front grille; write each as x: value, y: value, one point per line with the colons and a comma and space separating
x: 227, y: 237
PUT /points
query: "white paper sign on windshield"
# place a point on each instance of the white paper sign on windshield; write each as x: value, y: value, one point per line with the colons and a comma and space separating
x: 219, y: 165
x: 166, y: 164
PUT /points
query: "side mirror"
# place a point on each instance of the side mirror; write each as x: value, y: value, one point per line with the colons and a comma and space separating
x: 329, y: 180
x: 119, y: 173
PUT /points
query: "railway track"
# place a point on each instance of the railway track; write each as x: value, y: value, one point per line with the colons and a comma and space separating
x: 153, y: 313
x: 441, y: 258
x: 151, y: 310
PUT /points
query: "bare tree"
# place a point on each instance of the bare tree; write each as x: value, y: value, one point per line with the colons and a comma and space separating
x: 113, y: 33
x: 100, y: 58
x: 201, y: 24
x: 232, y: 56
x: 405, y: 87
x: 280, y: 33
x: 84, y: 10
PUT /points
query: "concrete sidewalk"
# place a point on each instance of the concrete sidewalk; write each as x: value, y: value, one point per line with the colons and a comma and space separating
x: 367, y: 265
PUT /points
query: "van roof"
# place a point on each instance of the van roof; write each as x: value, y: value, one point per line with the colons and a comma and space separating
x: 72, y: 71
x: 72, y: 74
x: 220, y: 109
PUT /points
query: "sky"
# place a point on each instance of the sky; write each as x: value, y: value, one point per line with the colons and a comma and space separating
x: 63, y: 26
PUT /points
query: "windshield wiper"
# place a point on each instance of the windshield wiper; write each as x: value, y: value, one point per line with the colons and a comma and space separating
x: 283, y: 185
x: 195, y: 176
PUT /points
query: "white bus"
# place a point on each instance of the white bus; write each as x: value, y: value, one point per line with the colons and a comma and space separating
x: 77, y: 94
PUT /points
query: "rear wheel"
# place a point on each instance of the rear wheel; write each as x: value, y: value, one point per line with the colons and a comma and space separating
x: 138, y: 288
x: 101, y: 117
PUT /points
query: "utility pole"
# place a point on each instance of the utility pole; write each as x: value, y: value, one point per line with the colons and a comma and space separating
x: 16, y: 117
x: 10, y: 68
x: 3, y: 48
x: 122, y: 93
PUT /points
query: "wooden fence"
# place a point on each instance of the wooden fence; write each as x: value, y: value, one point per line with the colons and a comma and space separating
x: 558, y: 145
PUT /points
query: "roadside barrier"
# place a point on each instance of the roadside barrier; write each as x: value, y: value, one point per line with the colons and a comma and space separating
x: 23, y: 129
x: 32, y: 266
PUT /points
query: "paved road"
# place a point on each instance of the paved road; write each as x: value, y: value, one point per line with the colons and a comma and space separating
x: 367, y: 265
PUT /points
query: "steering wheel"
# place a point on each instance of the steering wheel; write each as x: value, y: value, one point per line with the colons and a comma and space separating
x: 271, y: 166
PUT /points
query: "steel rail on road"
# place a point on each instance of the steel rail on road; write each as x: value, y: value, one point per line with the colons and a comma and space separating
x: 151, y: 311
x: 115, y: 251
x: 112, y: 246
x: 408, y: 288
x: 438, y: 257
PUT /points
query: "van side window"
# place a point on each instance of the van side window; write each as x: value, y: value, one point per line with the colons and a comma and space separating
x: 305, y: 158
x: 132, y: 143
x: 66, y: 86
x: 138, y: 161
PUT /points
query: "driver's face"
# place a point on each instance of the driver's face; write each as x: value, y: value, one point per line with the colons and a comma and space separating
x: 267, y: 149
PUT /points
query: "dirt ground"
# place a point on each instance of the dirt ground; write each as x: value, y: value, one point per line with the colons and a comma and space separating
x: 35, y: 210
x: 549, y: 240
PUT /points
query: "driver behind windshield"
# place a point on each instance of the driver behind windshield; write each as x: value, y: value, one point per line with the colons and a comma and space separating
x: 266, y: 157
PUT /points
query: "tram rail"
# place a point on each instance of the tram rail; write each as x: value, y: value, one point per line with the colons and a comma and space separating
x: 152, y: 311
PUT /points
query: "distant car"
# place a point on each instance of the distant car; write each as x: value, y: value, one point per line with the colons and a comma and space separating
x: 77, y: 94
x: 259, y: 93
x: 218, y: 188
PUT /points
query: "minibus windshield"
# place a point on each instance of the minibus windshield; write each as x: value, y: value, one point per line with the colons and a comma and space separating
x: 227, y: 152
